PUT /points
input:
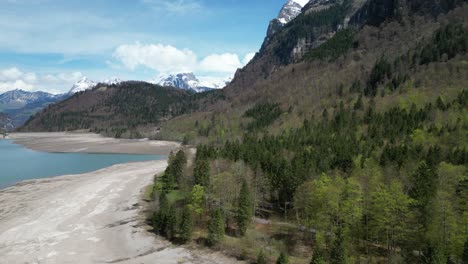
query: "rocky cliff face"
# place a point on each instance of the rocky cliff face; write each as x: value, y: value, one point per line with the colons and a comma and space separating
x: 288, y: 12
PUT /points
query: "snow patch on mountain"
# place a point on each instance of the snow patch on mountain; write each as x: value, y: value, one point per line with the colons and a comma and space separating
x: 85, y: 84
x: 82, y: 85
x: 20, y: 97
x: 290, y: 10
x: 189, y: 82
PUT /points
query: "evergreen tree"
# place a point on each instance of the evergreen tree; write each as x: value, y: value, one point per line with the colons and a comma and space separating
x: 282, y: 259
x: 215, y: 227
x: 179, y: 163
x: 244, y: 211
x: 201, y: 172
x: 465, y: 252
x: 160, y: 217
x: 424, y: 182
x: 186, y: 225
x: 359, y: 104
x: 338, y: 250
x: 171, y: 223
x: 261, y: 258
x: 318, y: 257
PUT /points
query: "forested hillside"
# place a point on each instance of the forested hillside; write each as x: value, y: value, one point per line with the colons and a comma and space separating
x: 343, y: 141
x: 356, y: 153
x: 120, y: 110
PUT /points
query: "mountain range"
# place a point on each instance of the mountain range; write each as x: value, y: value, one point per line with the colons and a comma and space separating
x: 189, y: 82
x: 350, y: 121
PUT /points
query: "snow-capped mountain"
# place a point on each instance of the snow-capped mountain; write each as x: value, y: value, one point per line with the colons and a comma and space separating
x: 189, y: 82
x: 85, y: 84
x: 82, y: 85
x: 19, y: 98
x: 112, y: 81
x: 290, y: 10
x: 20, y: 105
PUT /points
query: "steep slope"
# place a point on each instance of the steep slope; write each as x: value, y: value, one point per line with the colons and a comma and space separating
x: 360, y: 145
x: 288, y: 12
x: 348, y: 59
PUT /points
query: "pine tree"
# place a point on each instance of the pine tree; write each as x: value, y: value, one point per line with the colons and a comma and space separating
x: 424, y: 182
x: 261, y: 258
x: 282, y: 259
x: 244, y: 211
x: 465, y: 252
x: 338, y: 250
x: 160, y: 217
x: 186, y: 225
x: 201, y: 172
x: 179, y: 163
x: 171, y: 223
x: 215, y: 227
x: 359, y: 104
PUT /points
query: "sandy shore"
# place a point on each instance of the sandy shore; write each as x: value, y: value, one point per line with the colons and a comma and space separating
x: 88, y: 218
x: 90, y: 143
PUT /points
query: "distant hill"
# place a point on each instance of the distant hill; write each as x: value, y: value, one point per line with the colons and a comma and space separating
x: 20, y: 105
x: 5, y: 123
x: 117, y: 109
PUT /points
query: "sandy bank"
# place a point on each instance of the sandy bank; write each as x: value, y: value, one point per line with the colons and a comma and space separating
x: 90, y: 143
x: 89, y: 218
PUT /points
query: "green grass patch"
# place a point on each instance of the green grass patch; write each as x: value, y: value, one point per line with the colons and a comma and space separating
x: 175, y: 196
x: 148, y: 195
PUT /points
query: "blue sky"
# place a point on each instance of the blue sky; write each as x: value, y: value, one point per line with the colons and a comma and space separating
x: 50, y: 44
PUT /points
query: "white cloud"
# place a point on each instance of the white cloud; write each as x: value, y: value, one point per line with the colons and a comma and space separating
x: 18, y: 84
x: 214, y: 81
x: 161, y: 58
x: 168, y: 59
x: 248, y: 57
x: 10, y: 74
x: 14, y: 78
x: 175, y: 6
x: 227, y: 62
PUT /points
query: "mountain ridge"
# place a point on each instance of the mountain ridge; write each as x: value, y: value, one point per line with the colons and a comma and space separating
x: 188, y: 81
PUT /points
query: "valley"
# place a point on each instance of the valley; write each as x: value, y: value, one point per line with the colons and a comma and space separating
x: 343, y: 140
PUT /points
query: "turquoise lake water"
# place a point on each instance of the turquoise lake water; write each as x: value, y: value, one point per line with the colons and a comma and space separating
x: 18, y: 163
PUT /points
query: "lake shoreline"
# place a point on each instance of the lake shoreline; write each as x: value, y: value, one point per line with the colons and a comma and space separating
x: 70, y: 142
x: 96, y: 217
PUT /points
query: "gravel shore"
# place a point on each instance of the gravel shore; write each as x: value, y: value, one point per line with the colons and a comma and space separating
x: 88, y: 218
